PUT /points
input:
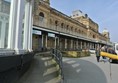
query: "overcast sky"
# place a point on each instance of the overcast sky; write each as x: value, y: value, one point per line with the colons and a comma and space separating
x: 103, y: 12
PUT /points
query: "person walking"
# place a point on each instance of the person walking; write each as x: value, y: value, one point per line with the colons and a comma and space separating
x: 104, y: 49
x: 98, y: 54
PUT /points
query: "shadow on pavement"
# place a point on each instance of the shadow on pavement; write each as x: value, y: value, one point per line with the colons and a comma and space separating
x: 82, y: 71
x: 41, y: 71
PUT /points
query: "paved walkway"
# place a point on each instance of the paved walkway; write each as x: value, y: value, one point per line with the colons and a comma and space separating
x: 76, y: 70
x: 42, y: 70
x: 88, y: 70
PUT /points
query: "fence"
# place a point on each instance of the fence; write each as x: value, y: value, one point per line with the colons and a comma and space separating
x: 57, y: 55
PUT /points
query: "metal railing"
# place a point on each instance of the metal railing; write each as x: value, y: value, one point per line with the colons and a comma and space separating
x: 57, y: 56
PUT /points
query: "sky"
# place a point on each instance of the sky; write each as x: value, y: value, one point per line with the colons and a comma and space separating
x: 103, y: 12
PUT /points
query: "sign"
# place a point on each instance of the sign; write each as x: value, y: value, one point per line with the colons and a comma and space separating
x: 51, y: 35
x: 37, y: 32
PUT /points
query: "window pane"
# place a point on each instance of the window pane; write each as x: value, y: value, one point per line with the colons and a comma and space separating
x: 4, y: 22
x: 117, y: 47
x: 0, y: 28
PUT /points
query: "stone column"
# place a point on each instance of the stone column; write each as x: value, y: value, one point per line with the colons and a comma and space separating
x: 26, y: 26
x: 91, y: 45
x: 85, y: 45
x: 81, y: 44
x: 77, y: 44
x: 27, y: 45
x: 42, y: 42
x: 88, y: 45
x: 58, y: 43
x: 55, y: 42
x: 46, y: 41
x: 12, y: 24
x: 71, y: 44
x: 65, y: 43
x: 18, y: 35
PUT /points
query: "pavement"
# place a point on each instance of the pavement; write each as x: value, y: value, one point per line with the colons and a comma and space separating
x: 88, y: 70
x: 76, y: 70
x: 42, y: 70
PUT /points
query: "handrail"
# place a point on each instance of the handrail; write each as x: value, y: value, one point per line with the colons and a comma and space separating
x: 57, y: 55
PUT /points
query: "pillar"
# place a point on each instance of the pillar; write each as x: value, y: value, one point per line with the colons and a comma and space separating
x: 27, y: 45
x: 91, y: 45
x: 12, y: 24
x: 26, y: 26
x: 77, y: 44
x: 81, y: 44
x: 58, y: 43
x: 84, y: 45
x: 15, y: 26
x: 46, y: 41
x: 42, y: 42
x: 65, y: 43
x: 19, y: 20
x: 30, y: 26
x: 71, y: 44
x: 55, y: 42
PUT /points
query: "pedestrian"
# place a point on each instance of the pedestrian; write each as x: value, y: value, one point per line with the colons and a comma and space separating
x: 104, y: 49
x: 98, y: 54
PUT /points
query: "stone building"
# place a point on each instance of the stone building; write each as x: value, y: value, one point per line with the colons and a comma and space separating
x: 33, y: 24
x: 57, y: 30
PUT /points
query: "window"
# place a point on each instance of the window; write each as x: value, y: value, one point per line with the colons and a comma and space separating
x: 6, y: 36
x: 4, y: 22
x: 116, y: 47
x: 93, y: 36
x: 71, y: 28
x: 0, y: 28
x: 62, y: 24
x: 41, y: 16
x: 56, y: 22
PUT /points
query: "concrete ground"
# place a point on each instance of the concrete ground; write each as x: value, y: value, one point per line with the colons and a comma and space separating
x: 76, y: 70
x: 88, y: 70
x: 42, y: 70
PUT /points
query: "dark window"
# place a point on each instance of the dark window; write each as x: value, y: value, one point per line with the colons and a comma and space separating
x: 116, y: 47
x: 41, y: 14
x: 56, y: 22
x: 62, y: 25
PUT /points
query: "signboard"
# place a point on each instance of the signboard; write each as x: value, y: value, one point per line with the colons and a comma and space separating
x: 51, y: 35
x: 37, y: 32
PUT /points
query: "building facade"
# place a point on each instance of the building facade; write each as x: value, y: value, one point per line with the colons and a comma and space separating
x: 27, y: 25
x: 57, y: 30
x: 22, y: 30
x: 15, y: 34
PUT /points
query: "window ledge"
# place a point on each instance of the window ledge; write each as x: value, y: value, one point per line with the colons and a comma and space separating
x: 6, y: 52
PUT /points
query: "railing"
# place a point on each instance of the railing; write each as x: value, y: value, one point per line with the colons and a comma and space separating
x: 64, y: 31
x: 57, y: 55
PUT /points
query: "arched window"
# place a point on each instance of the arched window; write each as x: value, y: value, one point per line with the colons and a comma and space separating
x: 71, y: 28
x: 41, y: 16
x: 62, y: 25
x: 50, y: 21
x: 93, y: 36
x: 75, y: 29
x: 56, y: 22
